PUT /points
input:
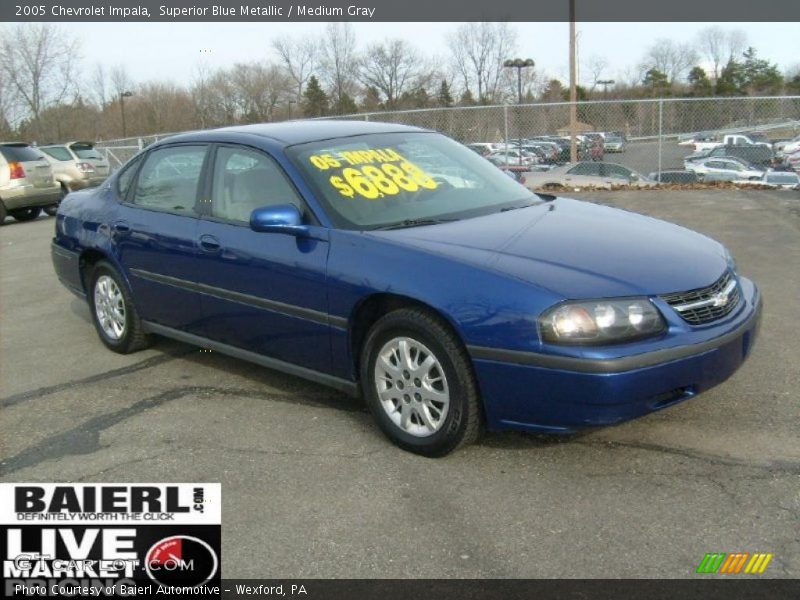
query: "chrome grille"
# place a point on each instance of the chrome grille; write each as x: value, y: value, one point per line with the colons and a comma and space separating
x: 707, y: 304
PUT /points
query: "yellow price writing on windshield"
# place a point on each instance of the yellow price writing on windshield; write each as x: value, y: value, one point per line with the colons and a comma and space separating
x: 377, y: 181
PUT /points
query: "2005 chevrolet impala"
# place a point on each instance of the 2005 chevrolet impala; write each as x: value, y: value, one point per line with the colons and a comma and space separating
x: 393, y: 262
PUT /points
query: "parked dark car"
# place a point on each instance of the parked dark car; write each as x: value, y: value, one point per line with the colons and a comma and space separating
x: 758, y: 155
x: 392, y: 262
x: 674, y: 176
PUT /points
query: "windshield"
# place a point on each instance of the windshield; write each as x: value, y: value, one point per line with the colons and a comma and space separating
x: 373, y: 181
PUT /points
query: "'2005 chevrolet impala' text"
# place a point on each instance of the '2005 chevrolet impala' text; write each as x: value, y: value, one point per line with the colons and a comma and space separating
x: 392, y: 262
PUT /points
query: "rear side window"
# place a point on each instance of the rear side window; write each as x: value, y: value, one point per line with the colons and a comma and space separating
x: 83, y: 150
x: 125, y: 178
x: 20, y: 153
x: 170, y: 178
x: 57, y: 152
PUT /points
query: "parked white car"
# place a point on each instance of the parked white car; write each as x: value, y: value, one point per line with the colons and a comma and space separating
x: 733, y: 139
x: 791, y: 147
x: 786, y: 180
x: 726, y: 169
x: 515, y: 157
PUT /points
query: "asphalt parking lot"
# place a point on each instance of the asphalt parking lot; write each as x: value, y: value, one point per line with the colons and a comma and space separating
x: 311, y: 489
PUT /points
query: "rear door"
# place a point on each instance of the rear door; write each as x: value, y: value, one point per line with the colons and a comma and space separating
x: 155, y: 234
x: 263, y: 292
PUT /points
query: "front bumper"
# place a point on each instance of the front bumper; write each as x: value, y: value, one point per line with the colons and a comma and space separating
x: 538, y: 392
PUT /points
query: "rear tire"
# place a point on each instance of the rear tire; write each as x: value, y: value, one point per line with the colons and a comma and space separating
x: 3, y: 212
x: 25, y: 214
x: 417, y: 379
x: 113, y: 313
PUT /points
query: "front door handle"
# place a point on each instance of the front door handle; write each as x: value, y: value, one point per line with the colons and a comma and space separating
x: 209, y: 243
x: 122, y: 227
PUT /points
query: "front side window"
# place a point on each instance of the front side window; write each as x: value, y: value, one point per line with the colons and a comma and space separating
x: 585, y: 168
x: 244, y: 180
x: 396, y: 179
x: 170, y: 178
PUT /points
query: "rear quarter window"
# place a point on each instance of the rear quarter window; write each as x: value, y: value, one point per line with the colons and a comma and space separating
x: 58, y: 152
x: 20, y: 153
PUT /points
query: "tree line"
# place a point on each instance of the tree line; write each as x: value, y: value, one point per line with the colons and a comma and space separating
x: 47, y: 93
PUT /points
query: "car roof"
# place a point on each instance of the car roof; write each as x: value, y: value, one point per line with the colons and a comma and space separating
x: 303, y: 131
x: 51, y: 145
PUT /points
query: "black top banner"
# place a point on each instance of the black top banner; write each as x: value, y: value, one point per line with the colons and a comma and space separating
x: 399, y: 11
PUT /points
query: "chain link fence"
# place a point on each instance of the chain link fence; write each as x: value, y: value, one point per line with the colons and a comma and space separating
x: 654, y: 127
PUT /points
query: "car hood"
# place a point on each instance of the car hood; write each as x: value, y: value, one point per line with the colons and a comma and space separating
x: 576, y: 249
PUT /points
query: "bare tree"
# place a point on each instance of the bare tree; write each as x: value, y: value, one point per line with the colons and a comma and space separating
x: 595, y: 66
x: 392, y: 67
x: 38, y: 63
x: 736, y: 43
x: 99, y: 85
x: 672, y: 58
x: 299, y: 58
x: 120, y: 81
x: 719, y: 46
x: 712, y: 42
x: 339, y: 61
x: 478, y: 51
x: 258, y: 89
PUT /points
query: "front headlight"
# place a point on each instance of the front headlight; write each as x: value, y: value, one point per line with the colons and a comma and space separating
x: 601, y: 321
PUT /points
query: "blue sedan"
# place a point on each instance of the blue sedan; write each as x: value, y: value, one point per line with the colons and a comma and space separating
x: 394, y: 263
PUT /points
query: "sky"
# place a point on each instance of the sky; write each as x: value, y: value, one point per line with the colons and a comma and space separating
x: 172, y: 51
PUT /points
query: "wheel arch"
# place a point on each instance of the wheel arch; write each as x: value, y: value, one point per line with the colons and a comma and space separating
x: 373, y: 307
x: 90, y: 257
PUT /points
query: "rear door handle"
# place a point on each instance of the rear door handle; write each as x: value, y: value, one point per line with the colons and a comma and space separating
x: 209, y: 243
x: 122, y: 227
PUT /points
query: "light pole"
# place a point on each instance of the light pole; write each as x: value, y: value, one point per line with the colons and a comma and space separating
x: 605, y: 83
x: 122, y: 96
x: 519, y: 64
x: 573, y: 85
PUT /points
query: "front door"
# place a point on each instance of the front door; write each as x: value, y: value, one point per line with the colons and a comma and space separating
x: 262, y: 292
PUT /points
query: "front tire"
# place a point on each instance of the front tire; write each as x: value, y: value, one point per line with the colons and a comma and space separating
x: 419, y: 384
x: 53, y: 208
x: 113, y: 313
x: 25, y: 214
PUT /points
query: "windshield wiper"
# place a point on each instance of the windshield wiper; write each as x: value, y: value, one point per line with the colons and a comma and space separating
x: 413, y: 223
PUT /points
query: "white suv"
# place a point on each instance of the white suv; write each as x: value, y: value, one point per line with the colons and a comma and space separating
x: 27, y: 184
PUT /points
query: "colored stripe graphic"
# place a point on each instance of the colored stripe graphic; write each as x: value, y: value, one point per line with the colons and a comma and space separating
x: 711, y: 562
x: 758, y: 563
x: 734, y: 562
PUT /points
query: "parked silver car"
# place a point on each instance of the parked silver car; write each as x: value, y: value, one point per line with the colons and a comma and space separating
x: 26, y: 182
x: 76, y: 165
x: 723, y: 169
x: 589, y: 174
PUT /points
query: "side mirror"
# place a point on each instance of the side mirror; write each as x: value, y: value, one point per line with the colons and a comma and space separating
x: 634, y: 177
x: 281, y: 218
